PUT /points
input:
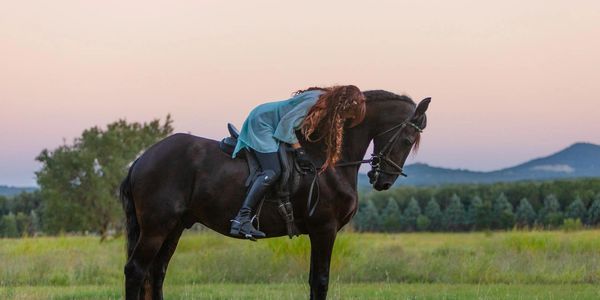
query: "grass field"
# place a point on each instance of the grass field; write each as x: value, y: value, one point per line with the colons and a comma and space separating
x: 507, y: 265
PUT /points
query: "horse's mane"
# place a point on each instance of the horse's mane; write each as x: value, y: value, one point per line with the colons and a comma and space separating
x: 381, y: 95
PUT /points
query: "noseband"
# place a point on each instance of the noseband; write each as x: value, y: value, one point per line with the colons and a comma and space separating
x: 382, y: 156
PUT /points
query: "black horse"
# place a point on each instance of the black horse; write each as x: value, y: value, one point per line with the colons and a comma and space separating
x: 185, y: 179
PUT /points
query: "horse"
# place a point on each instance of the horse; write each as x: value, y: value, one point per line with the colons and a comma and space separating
x: 184, y: 179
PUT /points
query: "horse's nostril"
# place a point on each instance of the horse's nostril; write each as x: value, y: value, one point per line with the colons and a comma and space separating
x: 387, y: 185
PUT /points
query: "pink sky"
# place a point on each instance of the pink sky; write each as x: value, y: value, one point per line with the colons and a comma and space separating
x: 510, y: 80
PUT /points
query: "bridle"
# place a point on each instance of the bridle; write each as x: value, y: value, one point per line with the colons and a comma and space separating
x: 375, y: 161
x: 382, y: 156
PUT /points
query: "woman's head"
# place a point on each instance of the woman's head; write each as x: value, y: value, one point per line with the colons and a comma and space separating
x: 337, y: 106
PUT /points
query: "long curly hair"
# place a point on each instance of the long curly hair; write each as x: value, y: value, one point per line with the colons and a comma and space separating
x: 336, y: 108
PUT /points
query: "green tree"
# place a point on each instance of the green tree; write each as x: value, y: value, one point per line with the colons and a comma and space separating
x: 35, y: 222
x: 26, y: 202
x: 434, y: 214
x: 502, y: 212
x: 576, y: 210
x: 550, y: 215
x: 79, y: 182
x: 454, y: 215
x: 423, y: 223
x: 367, y: 217
x: 525, y: 215
x: 8, y: 226
x: 593, y: 214
x: 410, y: 215
x: 471, y: 218
x: 481, y: 213
x: 23, y: 224
x: 390, y: 216
x: 4, y: 206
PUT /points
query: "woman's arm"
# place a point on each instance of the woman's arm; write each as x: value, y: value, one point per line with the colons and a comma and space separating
x: 286, y: 128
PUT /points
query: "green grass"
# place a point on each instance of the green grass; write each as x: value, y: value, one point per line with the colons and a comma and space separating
x: 337, y: 291
x: 502, y: 265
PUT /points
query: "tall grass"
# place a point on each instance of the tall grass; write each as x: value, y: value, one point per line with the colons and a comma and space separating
x: 469, y: 258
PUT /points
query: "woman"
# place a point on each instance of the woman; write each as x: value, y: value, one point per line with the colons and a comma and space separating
x: 320, y: 114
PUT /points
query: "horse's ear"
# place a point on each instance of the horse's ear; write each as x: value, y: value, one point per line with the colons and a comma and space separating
x: 422, y: 107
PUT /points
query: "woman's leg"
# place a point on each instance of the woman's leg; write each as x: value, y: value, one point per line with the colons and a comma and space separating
x: 269, y: 162
x: 271, y: 171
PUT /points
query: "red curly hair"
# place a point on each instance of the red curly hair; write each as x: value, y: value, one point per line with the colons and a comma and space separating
x: 325, y: 121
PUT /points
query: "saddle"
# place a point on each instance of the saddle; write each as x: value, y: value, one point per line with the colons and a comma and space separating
x: 287, y: 184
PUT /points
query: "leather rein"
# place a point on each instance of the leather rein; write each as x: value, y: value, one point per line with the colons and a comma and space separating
x: 375, y: 161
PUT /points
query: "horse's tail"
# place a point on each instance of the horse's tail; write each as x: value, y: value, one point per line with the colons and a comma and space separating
x: 131, y: 224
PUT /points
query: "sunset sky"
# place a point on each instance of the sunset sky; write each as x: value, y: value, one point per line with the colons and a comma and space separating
x: 509, y: 80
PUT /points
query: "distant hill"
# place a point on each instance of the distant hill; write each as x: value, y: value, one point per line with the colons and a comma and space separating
x: 578, y: 160
x: 11, y: 190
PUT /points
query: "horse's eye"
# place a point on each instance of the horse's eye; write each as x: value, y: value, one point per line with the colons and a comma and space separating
x: 407, y: 142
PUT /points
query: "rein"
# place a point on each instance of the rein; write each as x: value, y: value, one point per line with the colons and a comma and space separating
x: 375, y: 162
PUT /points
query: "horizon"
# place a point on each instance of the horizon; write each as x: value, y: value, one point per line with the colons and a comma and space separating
x: 509, y: 81
x: 364, y: 169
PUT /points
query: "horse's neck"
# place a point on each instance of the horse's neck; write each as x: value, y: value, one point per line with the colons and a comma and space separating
x: 356, y: 142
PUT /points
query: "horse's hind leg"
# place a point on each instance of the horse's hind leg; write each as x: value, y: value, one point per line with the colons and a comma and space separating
x: 146, y: 249
x: 161, y: 261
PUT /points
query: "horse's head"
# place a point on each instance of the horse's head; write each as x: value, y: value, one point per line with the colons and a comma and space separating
x: 397, y: 132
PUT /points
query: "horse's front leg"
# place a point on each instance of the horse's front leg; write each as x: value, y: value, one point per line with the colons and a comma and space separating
x: 321, y: 243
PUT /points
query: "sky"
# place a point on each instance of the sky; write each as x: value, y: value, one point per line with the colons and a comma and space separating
x: 509, y: 80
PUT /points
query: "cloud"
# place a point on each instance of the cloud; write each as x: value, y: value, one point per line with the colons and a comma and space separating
x: 554, y: 168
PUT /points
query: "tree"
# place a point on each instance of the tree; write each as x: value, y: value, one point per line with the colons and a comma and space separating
x: 480, y: 213
x: 525, y: 215
x: 79, y: 182
x: 410, y: 215
x: 423, y: 223
x: 35, y: 222
x: 25, y: 202
x: 471, y: 218
x: 8, y: 226
x: 576, y: 210
x: 454, y: 215
x: 593, y: 214
x: 23, y: 224
x: 390, y: 216
x: 367, y: 217
x: 550, y: 215
x: 434, y: 214
x: 502, y: 212
x: 4, y: 206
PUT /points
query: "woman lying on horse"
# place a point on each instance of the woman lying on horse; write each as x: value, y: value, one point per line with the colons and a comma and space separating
x: 319, y: 113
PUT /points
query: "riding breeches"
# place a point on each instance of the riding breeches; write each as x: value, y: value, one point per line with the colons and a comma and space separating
x: 270, y: 164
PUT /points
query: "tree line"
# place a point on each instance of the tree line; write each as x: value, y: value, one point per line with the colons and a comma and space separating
x: 548, y: 204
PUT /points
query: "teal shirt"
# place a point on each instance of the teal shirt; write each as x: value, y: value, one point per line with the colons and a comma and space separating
x: 271, y: 123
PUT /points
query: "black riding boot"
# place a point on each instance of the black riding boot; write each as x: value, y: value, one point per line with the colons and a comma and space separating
x: 242, y: 224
